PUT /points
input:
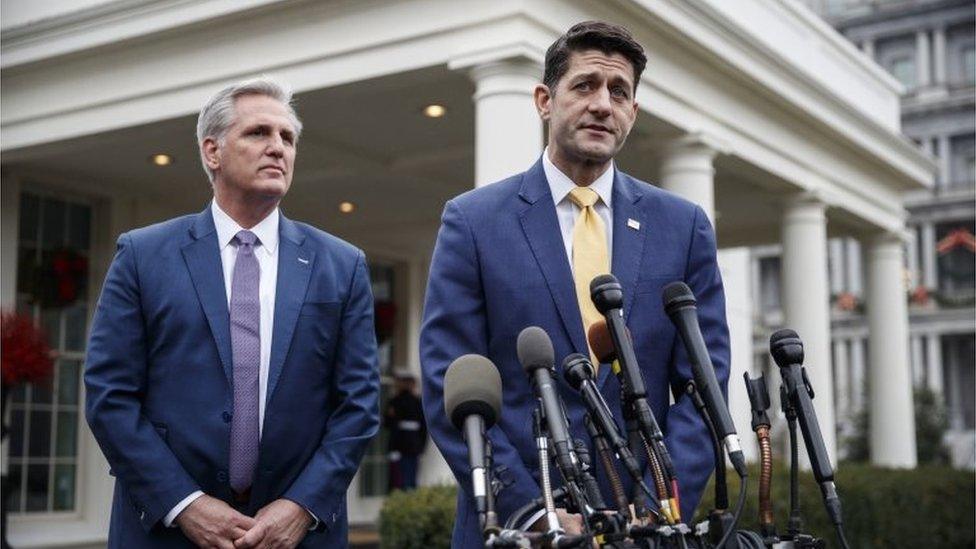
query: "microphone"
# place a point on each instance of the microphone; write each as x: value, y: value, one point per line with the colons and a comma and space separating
x: 787, y: 350
x: 608, y: 297
x: 472, y: 400
x: 578, y: 372
x: 537, y: 357
x: 680, y: 305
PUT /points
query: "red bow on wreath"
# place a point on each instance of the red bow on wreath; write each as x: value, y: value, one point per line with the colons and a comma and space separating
x: 26, y: 357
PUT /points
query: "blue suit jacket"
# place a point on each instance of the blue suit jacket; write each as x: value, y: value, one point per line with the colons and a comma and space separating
x: 500, y: 265
x: 159, y: 373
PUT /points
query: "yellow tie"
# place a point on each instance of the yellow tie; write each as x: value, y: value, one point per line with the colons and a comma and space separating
x: 590, y: 257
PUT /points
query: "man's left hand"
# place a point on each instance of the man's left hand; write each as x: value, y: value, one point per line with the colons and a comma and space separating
x: 280, y: 524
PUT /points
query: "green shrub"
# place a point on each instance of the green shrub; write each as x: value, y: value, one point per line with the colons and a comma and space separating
x: 924, y: 507
x: 421, y: 518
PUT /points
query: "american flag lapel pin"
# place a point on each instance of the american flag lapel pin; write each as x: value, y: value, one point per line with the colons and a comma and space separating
x: 633, y: 224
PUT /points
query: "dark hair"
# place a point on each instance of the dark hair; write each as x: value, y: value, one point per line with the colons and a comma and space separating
x: 592, y: 35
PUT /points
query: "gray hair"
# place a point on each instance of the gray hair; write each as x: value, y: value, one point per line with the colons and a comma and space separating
x: 217, y: 116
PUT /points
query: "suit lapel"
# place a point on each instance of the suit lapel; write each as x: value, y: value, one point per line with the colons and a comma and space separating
x: 295, y: 264
x: 542, y: 231
x: 629, y: 228
x: 202, y: 256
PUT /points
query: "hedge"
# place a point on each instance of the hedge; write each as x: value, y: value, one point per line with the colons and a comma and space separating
x: 924, y: 507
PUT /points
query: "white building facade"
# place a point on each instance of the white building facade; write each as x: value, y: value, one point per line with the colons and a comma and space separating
x: 759, y: 111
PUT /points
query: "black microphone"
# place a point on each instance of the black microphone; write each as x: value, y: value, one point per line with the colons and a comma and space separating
x: 680, y: 305
x: 578, y: 372
x: 608, y: 297
x: 537, y: 356
x: 787, y: 350
x: 472, y: 399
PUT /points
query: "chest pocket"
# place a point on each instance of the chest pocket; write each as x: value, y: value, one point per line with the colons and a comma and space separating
x: 317, y: 328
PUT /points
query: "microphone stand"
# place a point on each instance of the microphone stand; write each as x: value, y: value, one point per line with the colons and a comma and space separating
x: 556, y: 534
x: 759, y: 402
x: 794, y: 524
x: 720, y: 520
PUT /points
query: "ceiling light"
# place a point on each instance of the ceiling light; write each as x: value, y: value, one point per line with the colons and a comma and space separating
x: 346, y: 207
x: 162, y: 159
x: 434, y: 111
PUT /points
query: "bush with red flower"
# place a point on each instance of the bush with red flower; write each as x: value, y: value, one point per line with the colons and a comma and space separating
x: 24, y: 354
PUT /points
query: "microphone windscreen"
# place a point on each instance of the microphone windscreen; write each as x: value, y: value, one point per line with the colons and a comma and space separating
x: 786, y: 347
x: 677, y: 294
x: 601, y: 280
x: 598, y: 336
x: 535, y: 350
x: 472, y: 385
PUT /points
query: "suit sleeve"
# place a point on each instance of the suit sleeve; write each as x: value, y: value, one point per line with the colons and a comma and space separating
x: 687, y: 437
x: 322, y: 484
x: 115, y: 383
x: 455, y: 325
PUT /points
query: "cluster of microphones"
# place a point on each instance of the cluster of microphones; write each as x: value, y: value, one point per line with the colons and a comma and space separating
x: 649, y: 516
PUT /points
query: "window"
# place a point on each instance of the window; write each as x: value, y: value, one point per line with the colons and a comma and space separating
x: 969, y: 65
x: 956, y: 261
x: 52, y: 287
x: 903, y: 69
x: 374, y: 470
x: 769, y: 283
x: 962, y: 151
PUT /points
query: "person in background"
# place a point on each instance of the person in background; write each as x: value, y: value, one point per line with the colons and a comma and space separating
x: 404, y: 418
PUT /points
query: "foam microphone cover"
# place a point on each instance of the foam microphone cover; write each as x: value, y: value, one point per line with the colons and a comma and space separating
x: 598, y: 336
x: 678, y: 294
x: 606, y: 293
x: 535, y: 350
x: 472, y: 385
x: 786, y: 347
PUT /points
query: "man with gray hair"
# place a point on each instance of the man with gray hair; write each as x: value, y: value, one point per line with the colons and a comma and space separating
x: 231, y: 371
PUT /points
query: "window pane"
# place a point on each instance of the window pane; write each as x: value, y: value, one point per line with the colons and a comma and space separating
x: 40, y: 434
x: 17, y: 433
x: 903, y: 69
x: 969, y: 65
x: 52, y: 224
x: 27, y: 270
x: 37, y: 477
x: 68, y: 382
x: 67, y: 434
x: 18, y: 394
x: 79, y: 226
x: 14, y: 483
x: 41, y: 392
x: 29, y: 205
x: 64, y: 487
x: 74, y: 326
x: 51, y: 325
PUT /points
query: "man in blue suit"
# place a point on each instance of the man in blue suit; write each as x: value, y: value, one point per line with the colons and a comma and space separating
x: 520, y: 252
x: 231, y: 374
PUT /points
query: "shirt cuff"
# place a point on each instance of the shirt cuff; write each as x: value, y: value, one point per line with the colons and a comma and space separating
x: 176, y: 510
x: 527, y: 525
x: 315, y: 519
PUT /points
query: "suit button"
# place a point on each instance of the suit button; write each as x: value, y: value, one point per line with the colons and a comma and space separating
x: 221, y: 476
x: 227, y: 417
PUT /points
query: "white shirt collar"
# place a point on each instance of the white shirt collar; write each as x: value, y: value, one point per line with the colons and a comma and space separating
x: 227, y: 228
x: 560, y: 184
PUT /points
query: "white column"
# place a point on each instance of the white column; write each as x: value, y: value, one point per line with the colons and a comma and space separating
x: 806, y: 303
x: 922, y: 56
x: 918, y: 365
x: 686, y: 169
x: 945, y: 166
x: 857, y: 375
x: 929, y: 277
x: 508, y: 131
x: 892, y: 433
x: 939, y: 55
x: 868, y: 48
x: 734, y: 264
x: 933, y: 352
x: 841, y: 380
x: 911, y: 253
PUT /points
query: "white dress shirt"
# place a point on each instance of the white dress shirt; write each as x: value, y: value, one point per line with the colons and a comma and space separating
x: 266, y: 251
x: 567, y: 212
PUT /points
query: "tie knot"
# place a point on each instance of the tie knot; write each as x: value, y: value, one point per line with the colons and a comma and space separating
x: 584, y: 197
x: 246, y: 238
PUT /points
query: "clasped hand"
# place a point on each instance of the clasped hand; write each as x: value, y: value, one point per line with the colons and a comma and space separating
x: 211, y: 523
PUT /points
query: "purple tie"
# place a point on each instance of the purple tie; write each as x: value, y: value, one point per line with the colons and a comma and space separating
x: 245, y: 337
